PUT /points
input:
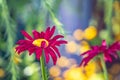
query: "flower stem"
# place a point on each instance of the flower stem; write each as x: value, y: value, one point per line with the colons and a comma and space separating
x: 42, y: 64
x: 108, y: 12
x: 104, y: 67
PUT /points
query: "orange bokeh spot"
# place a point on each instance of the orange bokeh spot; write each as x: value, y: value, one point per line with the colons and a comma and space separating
x: 63, y: 62
x: 2, y: 73
x: 58, y: 78
x: 71, y: 47
x: 78, y: 34
x: 54, y: 71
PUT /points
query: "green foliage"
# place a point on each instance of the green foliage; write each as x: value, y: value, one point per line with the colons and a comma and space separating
x: 108, y: 17
x: 53, y: 17
x: 9, y: 32
x: 33, y: 18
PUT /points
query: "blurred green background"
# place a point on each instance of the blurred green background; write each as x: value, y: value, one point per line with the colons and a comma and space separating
x: 83, y: 22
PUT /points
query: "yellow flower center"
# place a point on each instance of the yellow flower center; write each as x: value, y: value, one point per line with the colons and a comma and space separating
x: 38, y: 42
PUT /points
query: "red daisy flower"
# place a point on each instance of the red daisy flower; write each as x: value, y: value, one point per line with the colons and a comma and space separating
x: 42, y: 41
x: 108, y: 52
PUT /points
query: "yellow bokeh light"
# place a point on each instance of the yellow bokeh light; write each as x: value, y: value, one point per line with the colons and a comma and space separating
x: 2, y: 73
x: 17, y: 60
x: 84, y: 43
x: 71, y: 47
x: 82, y: 73
x: 84, y: 46
x: 16, y: 57
x: 54, y: 71
x: 58, y: 78
x: 78, y: 34
x: 90, y: 33
x: 96, y: 77
x: 74, y: 74
x: 63, y: 62
x: 84, y: 49
x: 90, y: 68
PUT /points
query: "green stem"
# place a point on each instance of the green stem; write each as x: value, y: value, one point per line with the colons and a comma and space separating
x: 54, y: 18
x: 108, y: 17
x: 42, y: 64
x: 104, y: 67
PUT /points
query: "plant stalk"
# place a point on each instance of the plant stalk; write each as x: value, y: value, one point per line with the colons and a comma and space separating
x: 42, y: 64
x: 104, y: 67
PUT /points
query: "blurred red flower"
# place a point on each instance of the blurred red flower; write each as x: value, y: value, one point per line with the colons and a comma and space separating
x: 108, y: 52
x: 40, y: 42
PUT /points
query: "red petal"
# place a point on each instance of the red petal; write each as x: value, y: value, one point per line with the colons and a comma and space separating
x: 107, y: 57
x: 46, y: 55
x: 56, y: 50
x: 85, y: 61
x: 47, y: 32
x: 43, y: 44
x: 24, y: 42
x: 38, y: 53
x: 20, y: 49
x: 42, y: 34
x: 56, y: 37
x: 51, y: 32
x: 52, y: 54
x: 90, y: 54
x: 115, y: 46
x: 85, y: 53
x: 36, y: 34
x: 59, y: 42
x: 113, y: 53
x: 31, y: 50
x: 26, y: 35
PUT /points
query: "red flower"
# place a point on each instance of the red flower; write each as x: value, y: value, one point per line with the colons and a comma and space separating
x: 40, y: 42
x: 108, y: 52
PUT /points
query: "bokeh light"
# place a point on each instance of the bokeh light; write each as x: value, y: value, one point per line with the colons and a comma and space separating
x: 71, y: 47
x: 28, y: 71
x: 84, y: 46
x: 91, y: 68
x: 63, y: 62
x: 58, y: 78
x: 75, y: 73
x: 90, y: 32
x: 115, y: 69
x: 116, y: 28
x: 83, y: 23
x: 103, y: 34
x: 116, y: 5
x: 54, y: 71
x: 97, y: 76
x: 117, y: 37
x: 78, y: 34
x: 2, y: 73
